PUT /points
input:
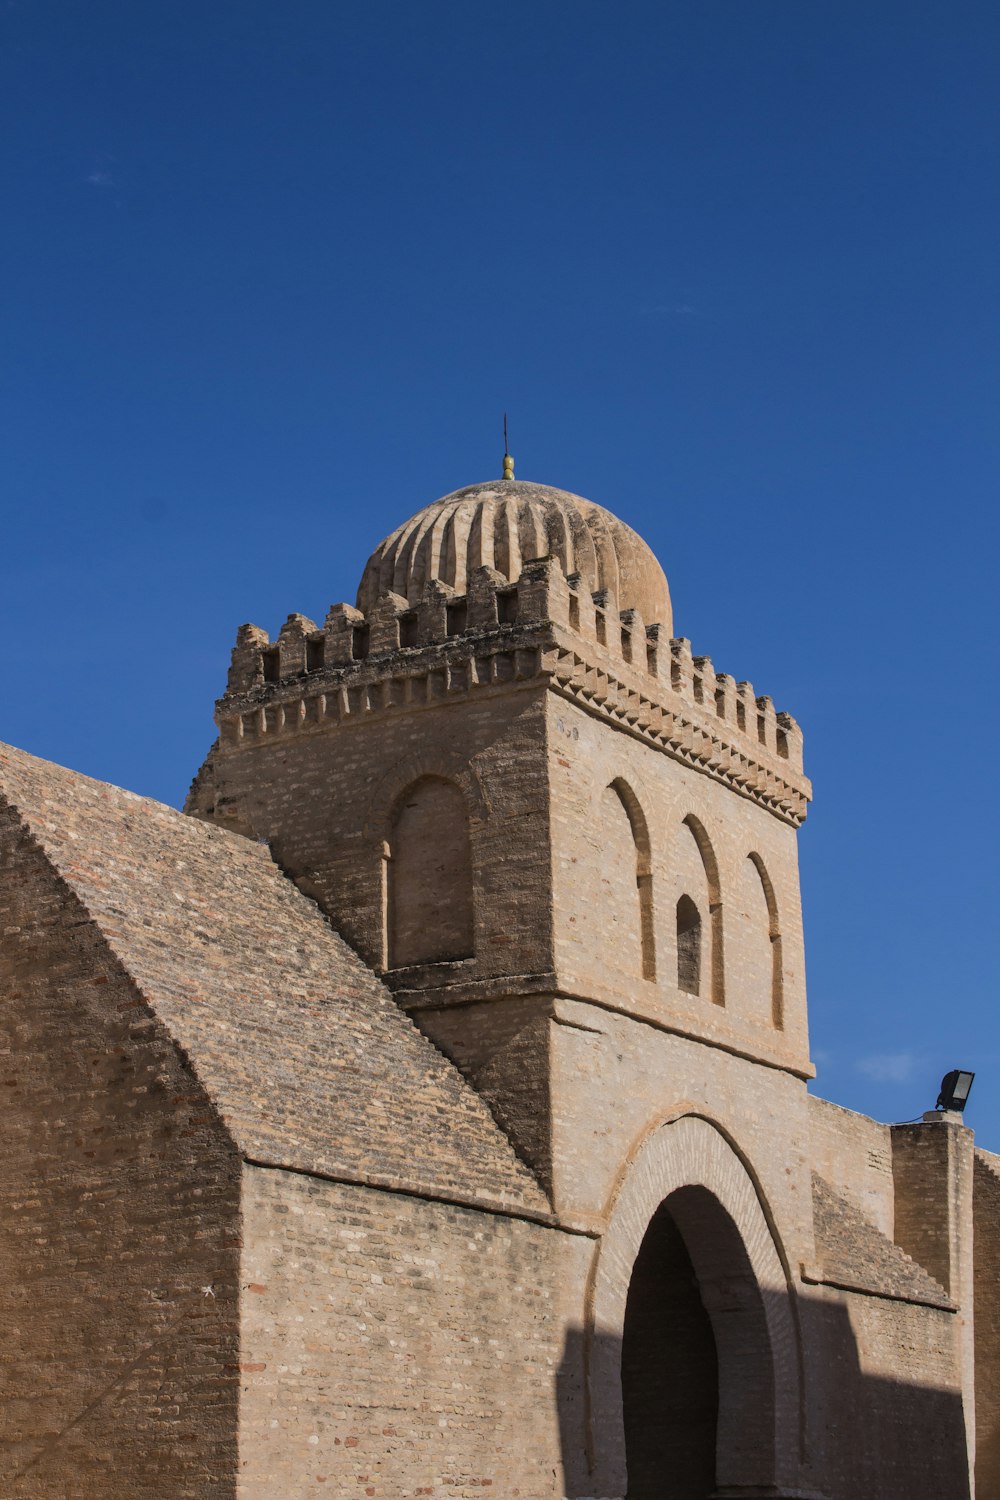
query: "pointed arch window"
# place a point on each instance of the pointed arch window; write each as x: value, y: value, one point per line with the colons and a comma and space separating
x: 699, y: 939
x: 688, y: 946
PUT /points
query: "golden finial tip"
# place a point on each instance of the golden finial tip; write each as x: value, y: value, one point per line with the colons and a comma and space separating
x: 508, y: 462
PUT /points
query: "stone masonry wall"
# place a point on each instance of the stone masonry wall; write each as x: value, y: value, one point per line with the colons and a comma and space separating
x: 395, y: 1347
x: 119, y: 1224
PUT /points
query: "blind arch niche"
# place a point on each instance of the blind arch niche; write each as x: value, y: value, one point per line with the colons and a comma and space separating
x: 638, y: 904
x: 429, y: 902
x: 760, y: 942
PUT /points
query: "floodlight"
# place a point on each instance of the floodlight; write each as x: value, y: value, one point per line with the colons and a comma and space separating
x: 955, y: 1087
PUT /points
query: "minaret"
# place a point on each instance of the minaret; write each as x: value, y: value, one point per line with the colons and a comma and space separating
x: 532, y: 810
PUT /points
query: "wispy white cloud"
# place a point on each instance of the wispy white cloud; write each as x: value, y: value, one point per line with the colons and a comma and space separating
x: 888, y: 1067
x: 102, y: 173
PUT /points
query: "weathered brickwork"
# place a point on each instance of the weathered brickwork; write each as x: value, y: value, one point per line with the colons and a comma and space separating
x: 987, y: 1313
x: 326, y: 802
x: 615, y: 1079
x: 854, y: 1155
x: 886, y: 1411
x: 382, y: 1355
x: 307, y: 1058
x: 852, y: 1254
x: 596, y: 931
x: 377, y: 1129
x: 119, y: 1222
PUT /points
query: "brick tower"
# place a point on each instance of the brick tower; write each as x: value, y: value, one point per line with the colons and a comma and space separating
x: 554, y: 832
x: 259, y: 1236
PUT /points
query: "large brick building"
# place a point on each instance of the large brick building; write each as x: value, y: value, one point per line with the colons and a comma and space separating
x: 424, y: 1111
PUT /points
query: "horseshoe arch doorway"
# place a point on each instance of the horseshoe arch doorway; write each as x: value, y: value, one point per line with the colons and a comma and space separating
x: 687, y: 1221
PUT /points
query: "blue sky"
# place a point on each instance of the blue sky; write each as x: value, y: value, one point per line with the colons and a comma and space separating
x: 271, y: 274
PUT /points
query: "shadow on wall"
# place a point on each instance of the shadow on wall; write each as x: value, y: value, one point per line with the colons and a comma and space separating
x: 863, y: 1434
x: 987, y: 1462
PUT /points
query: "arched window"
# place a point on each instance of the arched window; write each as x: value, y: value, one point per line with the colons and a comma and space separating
x: 688, y: 946
x: 700, y: 969
x: 632, y: 835
x: 429, y: 876
x: 761, y: 996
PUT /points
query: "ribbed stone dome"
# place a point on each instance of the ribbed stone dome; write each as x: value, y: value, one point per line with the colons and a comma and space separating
x: 506, y: 523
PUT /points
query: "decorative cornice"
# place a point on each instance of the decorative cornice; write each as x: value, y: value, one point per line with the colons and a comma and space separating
x: 510, y: 658
x: 685, y: 730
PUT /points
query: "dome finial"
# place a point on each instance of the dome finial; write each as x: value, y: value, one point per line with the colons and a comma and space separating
x: 508, y: 462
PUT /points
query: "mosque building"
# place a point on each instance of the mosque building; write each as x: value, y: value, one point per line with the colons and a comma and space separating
x: 424, y: 1110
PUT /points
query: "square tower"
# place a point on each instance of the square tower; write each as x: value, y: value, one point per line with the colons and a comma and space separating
x: 536, y: 815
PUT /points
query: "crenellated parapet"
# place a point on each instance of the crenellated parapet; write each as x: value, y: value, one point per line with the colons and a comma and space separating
x: 404, y: 656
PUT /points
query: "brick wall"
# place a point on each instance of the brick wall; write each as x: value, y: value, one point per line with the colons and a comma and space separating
x: 613, y: 1078
x: 395, y: 1347
x: 119, y: 1207
x: 986, y: 1280
x: 596, y: 914
x: 304, y: 1052
x: 324, y: 801
x: 885, y: 1412
x: 854, y: 1154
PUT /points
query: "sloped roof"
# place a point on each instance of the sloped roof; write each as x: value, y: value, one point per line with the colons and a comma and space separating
x: 854, y: 1254
x: 306, y: 1055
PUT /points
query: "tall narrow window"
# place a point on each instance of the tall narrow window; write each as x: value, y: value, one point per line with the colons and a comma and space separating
x: 688, y: 946
x: 429, y: 884
x: 698, y: 894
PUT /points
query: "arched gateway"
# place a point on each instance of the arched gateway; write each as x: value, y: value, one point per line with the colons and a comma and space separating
x: 693, y: 1369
